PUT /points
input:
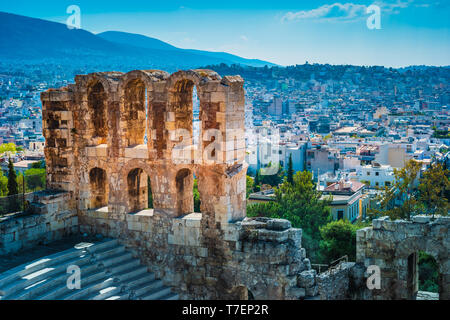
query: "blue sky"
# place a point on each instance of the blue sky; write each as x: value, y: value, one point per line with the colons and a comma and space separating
x: 413, y: 32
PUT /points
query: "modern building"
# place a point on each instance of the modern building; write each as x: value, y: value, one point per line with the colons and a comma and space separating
x: 348, y: 201
x: 376, y: 175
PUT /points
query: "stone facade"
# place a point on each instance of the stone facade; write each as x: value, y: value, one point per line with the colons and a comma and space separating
x: 393, y: 246
x: 52, y: 218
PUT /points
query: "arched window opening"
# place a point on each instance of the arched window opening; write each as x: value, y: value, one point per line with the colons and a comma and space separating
x: 146, y: 134
x: 139, y: 190
x: 196, y: 123
x: 186, y: 106
x: 135, y: 112
x: 196, y: 193
x: 98, y: 188
x: 97, y: 104
x: 429, y: 277
x: 185, y: 198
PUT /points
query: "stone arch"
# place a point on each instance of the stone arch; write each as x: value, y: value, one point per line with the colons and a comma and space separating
x: 135, y: 89
x: 97, y: 100
x: 181, y: 106
x: 85, y: 81
x: 184, y: 181
x: 406, y: 255
x: 135, y: 115
x: 137, y: 190
x: 180, y: 86
x: 126, y: 167
x: 98, y: 187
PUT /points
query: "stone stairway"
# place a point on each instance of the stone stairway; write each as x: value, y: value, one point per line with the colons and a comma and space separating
x: 108, y: 272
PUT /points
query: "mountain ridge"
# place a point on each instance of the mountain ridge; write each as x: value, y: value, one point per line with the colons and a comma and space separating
x: 31, y: 39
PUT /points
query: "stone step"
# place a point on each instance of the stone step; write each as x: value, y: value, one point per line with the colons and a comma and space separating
x: 59, y: 291
x: 98, y: 282
x: 48, y: 284
x: 122, y: 281
x: 87, y: 273
x: 115, y: 260
x: 105, y: 293
x: 135, y: 276
x: 156, y: 294
x: 104, y: 278
x: 108, y: 272
x: 54, y: 271
x: 124, y: 296
x: 170, y: 296
x: 38, y: 276
x: 146, y: 287
x: 111, y: 251
x: 22, y: 271
x: 123, y: 265
x: 39, y: 264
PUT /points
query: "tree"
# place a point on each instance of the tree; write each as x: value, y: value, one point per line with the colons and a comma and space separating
x: 149, y: 196
x: 34, y: 179
x: 290, y: 170
x: 339, y: 239
x: 12, y: 179
x: 249, y: 185
x: 433, y: 188
x: 3, y: 185
x: 8, y: 148
x: 403, y: 189
x: 257, y: 182
x: 301, y: 204
x: 38, y: 165
x: 197, y: 201
x: 428, y: 273
x: 273, y: 179
x: 13, y: 190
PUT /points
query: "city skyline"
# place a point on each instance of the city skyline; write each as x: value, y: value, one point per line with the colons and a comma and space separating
x: 412, y: 32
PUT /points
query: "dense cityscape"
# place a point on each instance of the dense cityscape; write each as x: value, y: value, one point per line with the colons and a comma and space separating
x: 342, y: 123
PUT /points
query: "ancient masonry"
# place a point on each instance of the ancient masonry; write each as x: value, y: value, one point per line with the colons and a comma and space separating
x: 111, y: 138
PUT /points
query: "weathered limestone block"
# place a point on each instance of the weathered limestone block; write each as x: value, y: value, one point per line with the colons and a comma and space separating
x: 97, y: 151
x: 278, y: 224
x: 306, y: 279
x: 270, y: 235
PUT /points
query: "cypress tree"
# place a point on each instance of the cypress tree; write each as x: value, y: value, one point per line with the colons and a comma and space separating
x: 12, y: 179
x: 256, y: 184
x: 13, y: 189
x: 290, y: 171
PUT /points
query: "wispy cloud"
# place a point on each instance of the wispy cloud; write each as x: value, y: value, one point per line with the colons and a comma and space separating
x: 335, y: 11
x: 344, y: 11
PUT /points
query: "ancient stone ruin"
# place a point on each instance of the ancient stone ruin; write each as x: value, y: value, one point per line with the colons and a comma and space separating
x: 113, y: 138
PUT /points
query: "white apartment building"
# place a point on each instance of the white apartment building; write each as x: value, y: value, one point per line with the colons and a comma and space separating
x: 376, y: 175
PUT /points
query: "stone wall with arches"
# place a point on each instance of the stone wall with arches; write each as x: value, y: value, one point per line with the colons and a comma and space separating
x: 393, y: 247
x: 113, y: 138
x: 143, y: 120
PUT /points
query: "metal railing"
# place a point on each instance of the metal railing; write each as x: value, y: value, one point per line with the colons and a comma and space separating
x: 26, y: 187
x: 318, y: 267
x: 332, y: 267
x: 337, y: 264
